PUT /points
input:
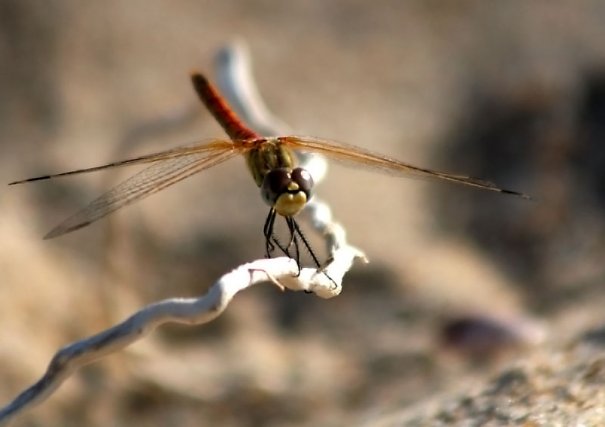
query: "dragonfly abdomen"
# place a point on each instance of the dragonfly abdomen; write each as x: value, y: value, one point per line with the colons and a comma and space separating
x: 223, y: 114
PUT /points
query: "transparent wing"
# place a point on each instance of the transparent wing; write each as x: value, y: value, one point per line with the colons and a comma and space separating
x: 353, y: 155
x: 150, y: 180
x: 207, y: 147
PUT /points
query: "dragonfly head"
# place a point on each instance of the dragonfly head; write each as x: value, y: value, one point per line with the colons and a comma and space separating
x: 287, y: 190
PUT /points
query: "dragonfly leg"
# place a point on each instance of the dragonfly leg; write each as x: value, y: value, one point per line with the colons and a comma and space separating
x: 296, y: 236
x: 306, y: 244
x: 271, y: 241
x: 294, y: 241
x: 268, y: 233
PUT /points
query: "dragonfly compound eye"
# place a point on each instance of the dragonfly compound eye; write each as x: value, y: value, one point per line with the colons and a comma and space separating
x: 287, y: 191
x: 304, y: 180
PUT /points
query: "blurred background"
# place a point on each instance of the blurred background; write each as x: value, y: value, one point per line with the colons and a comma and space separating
x: 460, y: 281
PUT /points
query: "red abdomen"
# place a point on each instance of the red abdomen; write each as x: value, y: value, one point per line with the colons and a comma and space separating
x: 221, y: 111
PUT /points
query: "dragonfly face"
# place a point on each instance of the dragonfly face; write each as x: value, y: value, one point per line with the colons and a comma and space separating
x: 284, y: 187
x: 287, y: 190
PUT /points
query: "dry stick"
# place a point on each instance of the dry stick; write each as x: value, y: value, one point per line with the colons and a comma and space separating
x: 236, y: 81
x: 192, y: 311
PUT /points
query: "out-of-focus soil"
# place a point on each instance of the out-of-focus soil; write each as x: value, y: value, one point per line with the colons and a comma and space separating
x: 476, y: 308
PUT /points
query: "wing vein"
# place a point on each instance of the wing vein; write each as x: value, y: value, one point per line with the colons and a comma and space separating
x: 353, y: 155
x: 148, y: 181
x: 207, y: 147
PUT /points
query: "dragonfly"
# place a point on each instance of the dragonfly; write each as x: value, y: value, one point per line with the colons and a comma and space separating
x: 284, y: 186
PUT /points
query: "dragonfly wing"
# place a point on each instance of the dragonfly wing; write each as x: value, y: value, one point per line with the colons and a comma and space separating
x: 148, y: 181
x: 355, y: 156
x: 205, y: 148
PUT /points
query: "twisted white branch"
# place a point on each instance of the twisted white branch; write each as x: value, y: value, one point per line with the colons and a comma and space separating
x: 236, y: 82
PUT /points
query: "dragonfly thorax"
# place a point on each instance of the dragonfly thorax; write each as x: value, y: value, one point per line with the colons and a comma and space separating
x: 268, y: 154
x: 287, y: 190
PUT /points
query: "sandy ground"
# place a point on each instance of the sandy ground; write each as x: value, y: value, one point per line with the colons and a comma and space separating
x: 476, y: 309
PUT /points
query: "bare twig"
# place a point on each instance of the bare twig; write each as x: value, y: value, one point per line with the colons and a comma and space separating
x: 191, y: 311
x: 236, y: 81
